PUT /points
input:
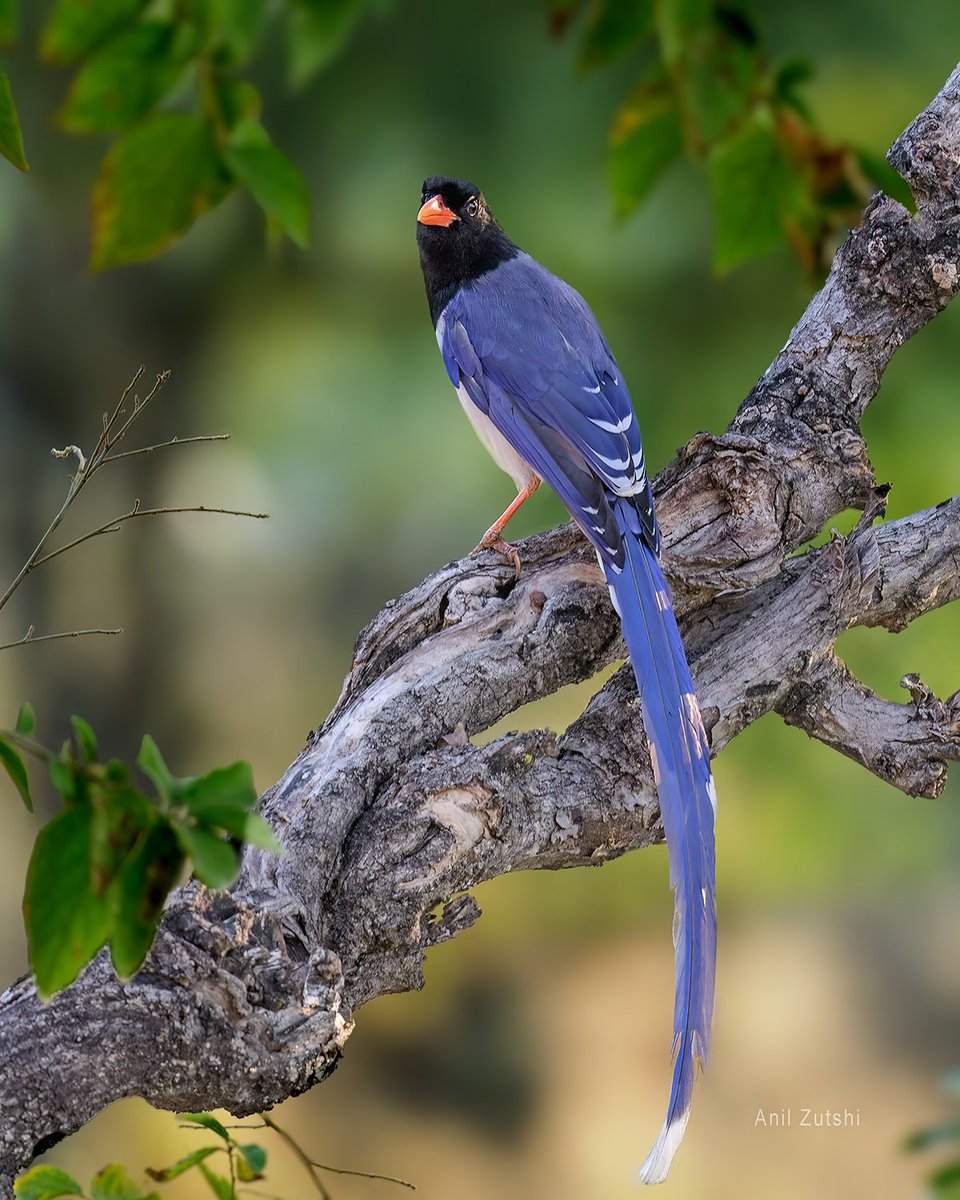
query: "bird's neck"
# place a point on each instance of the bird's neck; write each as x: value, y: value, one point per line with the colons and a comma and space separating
x: 446, y: 269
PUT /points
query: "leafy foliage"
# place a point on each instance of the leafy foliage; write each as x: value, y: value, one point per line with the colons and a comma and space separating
x: 9, y: 21
x: 646, y: 139
x: 711, y: 93
x: 163, y: 78
x: 154, y: 183
x: 246, y: 1163
x: 102, y: 869
x: 11, y: 139
x: 943, y: 1183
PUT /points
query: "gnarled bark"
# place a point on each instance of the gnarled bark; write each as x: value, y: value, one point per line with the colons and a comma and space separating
x: 390, y: 815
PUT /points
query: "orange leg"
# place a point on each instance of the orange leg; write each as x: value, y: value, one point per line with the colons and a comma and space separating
x: 493, y: 539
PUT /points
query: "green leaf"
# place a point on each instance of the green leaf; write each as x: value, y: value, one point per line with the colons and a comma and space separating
x: 163, y: 1174
x: 113, y: 1183
x: 46, y: 1183
x: 11, y: 139
x: 223, y: 798
x: 75, y: 27
x: 226, y: 787
x: 120, y: 816
x: 235, y: 99
x: 239, y: 24
x: 216, y: 862
x: 115, y: 771
x: 678, y: 21
x: 207, y: 1122
x: 127, y: 76
x: 318, y: 31
x: 271, y: 178
x: 251, y: 1163
x: 153, y: 184
x: 137, y: 895
x: 9, y: 21
x: 945, y: 1181
x: 716, y: 66
x: 615, y: 26
x: 86, y: 739
x: 150, y: 761
x: 255, y: 832
x: 646, y: 140
x: 789, y: 78
x: 754, y: 188
x: 244, y: 826
x: 221, y: 1188
x: 63, y: 774
x: 16, y: 769
x: 66, y: 923
x: 26, y: 719
x: 936, y: 1136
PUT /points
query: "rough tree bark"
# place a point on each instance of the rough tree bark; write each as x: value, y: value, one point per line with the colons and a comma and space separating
x: 390, y: 815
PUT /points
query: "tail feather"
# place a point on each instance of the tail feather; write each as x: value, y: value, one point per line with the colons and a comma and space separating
x: 681, y: 764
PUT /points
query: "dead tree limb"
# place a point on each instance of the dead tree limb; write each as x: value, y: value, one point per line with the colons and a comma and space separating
x: 390, y: 815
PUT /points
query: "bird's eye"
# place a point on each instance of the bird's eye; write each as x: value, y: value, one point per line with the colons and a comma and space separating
x: 472, y: 207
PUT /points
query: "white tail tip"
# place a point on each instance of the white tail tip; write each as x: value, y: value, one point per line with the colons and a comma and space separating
x: 657, y: 1163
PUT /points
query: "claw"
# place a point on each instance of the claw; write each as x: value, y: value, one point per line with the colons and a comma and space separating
x: 493, y: 541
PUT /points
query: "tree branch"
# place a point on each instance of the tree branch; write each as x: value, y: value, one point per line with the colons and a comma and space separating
x: 390, y: 815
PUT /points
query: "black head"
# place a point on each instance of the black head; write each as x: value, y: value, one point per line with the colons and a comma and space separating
x: 458, y: 236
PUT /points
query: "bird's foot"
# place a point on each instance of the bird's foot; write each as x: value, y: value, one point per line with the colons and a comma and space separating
x: 492, y: 540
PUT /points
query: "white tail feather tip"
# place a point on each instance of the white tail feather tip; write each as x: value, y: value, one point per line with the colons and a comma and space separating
x: 657, y: 1163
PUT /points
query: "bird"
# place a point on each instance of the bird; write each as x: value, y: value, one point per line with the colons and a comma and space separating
x: 539, y: 383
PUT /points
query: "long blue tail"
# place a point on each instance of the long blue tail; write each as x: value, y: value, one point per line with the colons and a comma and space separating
x: 681, y: 764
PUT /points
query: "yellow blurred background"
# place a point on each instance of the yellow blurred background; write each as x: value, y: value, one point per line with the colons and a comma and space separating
x: 536, y: 1062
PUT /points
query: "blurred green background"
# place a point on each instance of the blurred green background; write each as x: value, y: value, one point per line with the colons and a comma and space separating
x: 536, y: 1062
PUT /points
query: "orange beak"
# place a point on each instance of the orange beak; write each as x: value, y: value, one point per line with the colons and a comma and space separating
x: 435, y: 212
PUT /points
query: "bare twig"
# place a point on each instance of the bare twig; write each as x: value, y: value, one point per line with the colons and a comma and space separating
x: 366, y: 1175
x: 310, y: 1163
x: 174, y: 441
x: 304, y: 1158
x: 114, y: 427
x: 29, y: 638
x: 113, y: 525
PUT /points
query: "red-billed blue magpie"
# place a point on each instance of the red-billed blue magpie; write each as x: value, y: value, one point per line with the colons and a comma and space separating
x: 538, y: 381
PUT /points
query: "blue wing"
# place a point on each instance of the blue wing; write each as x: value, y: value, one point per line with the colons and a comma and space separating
x: 529, y: 353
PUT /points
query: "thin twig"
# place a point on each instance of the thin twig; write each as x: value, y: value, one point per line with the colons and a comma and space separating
x: 174, y: 441
x: 304, y: 1158
x: 113, y: 525
x: 114, y: 427
x: 365, y: 1175
x: 108, y: 422
x: 138, y: 408
x: 31, y: 562
x: 103, y: 453
x: 310, y: 1163
x: 87, y: 467
x: 28, y: 638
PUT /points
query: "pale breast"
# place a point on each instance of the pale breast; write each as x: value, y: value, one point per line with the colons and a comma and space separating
x: 500, y: 449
